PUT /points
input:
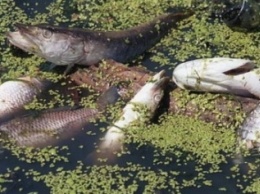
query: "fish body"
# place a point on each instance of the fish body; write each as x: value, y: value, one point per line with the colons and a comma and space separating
x: 249, y: 131
x: 17, y: 93
x: 219, y: 75
x: 67, y: 46
x: 148, y: 98
x: 47, y: 127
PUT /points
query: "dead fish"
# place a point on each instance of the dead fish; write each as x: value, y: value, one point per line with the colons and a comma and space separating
x: 249, y: 131
x: 148, y: 98
x: 17, y: 93
x: 68, y: 46
x: 219, y: 75
x: 49, y: 126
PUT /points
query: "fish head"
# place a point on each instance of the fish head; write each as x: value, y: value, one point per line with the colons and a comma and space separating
x: 52, y: 43
x: 17, y: 39
x: 152, y: 92
x: 212, y: 74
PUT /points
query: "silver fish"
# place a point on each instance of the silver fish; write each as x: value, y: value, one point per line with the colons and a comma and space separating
x: 17, y: 93
x: 148, y: 98
x: 219, y: 75
x: 68, y: 46
x: 249, y: 131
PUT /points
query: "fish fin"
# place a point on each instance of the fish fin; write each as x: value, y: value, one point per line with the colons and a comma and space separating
x: 52, y: 66
x: 110, y: 96
x: 68, y: 69
x: 240, y: 70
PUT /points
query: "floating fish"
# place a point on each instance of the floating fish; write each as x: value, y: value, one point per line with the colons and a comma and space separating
x: 49, y: 126
x: 68, y: 46
x: 147, y: 99
x: 219, y: 75
x: 17, y: 93
x: 249, y: 131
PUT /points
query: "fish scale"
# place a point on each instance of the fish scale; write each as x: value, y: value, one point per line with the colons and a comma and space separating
x: 48, y: 126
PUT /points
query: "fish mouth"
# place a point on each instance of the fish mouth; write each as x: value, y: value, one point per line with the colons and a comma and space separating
x: 22, y: 38
x: 25, y: 29
x: 160, y: 80
x: 159, y: 75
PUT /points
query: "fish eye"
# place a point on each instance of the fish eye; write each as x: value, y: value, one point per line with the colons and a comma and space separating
x: 46, y: 34
x: 157, y: 97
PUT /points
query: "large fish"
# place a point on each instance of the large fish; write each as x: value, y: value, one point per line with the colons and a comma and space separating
x: 17, y: 93
x: 49, y: 126
x: 142, y: 105
x: 219, y: 75
x: 68, y: 46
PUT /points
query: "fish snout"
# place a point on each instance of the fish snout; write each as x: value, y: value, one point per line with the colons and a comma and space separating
x: 159, y: 75
x: 20, y: 27
x: 25, y: 29
x: 9, y: 38
x: 162, y: 82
